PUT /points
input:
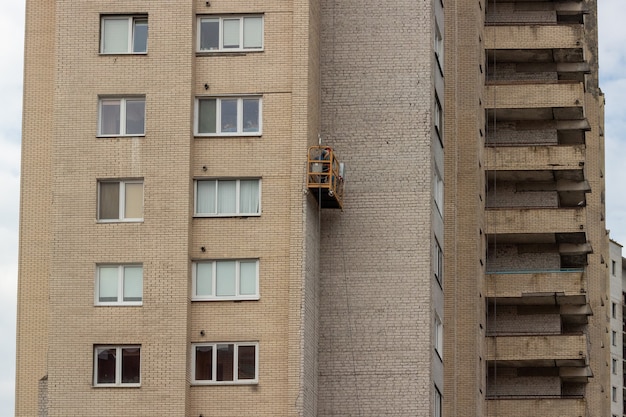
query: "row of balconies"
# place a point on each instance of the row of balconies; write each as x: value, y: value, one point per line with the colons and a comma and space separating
x: 536, y: 215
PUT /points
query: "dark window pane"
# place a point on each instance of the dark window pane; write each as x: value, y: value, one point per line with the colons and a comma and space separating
x: 140, y: 38
x: 209, y: 34
x: 204, y: 363
x: 130, y: 365
x: 206, y: 116
x: 229, y: 115
x: 246, y: 362
x: 225, y: 362
x: 105, y: 366
x: 250, y: 115
x: 109, y: 200
x: 135, y: 117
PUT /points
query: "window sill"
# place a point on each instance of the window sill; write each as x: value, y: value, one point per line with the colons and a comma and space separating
x: 202, y: 216
x: 117, y: 386
x: 136, y: 304
x: 123, y: 53
x: 213, y: 383
x: 99, y: 221
x: 210, y: 300
x: 120, y: 136
x: 236, y: 52
x: 229, y: 135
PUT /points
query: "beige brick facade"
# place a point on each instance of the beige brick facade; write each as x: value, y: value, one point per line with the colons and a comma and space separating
x: 463, y: 277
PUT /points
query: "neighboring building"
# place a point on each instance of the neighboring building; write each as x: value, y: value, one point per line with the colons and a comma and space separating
x: 617, y: 328
x: 178, y: 253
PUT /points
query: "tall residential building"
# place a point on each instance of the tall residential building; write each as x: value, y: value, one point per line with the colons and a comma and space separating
x: 312, y: 208
x: 617, y: 328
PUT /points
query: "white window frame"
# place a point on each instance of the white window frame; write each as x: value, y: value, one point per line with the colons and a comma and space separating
x: 438, y: 118
x: 438, y: 262
x: 120, y: 285
x: 438, y: 328
x: 438, y: 192
x: 122, y: 103
x: 237, y: 212
x: 438, y: 403
x: 122, y: 201
x: 220, y: 47
x: 118, y: 365
x: 240, y: 128
x: 438, y: 46
x: 236, y: 380
x: 132, y: 24
x: 213, y: 296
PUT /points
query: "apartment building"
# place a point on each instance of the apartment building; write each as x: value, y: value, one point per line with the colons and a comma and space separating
x: 238, y: 208
x: 617, y: 328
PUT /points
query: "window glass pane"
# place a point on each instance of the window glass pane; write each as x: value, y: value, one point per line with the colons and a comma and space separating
x: 209, y: 34
x: 133, y: 203
x: 130, y: 365
x: 226, y: 197
x: 225, y: 278
x: 231, y: 33
x: 115, y: 38
x: 140, y: 38
x: 253, y: 32
x: 229, y: 115
x: 110, y: 117
x: 135, y: 117
x: 105, y: 366
x: 251, y: 115
x: 107, y: 283
x: 206, y: 116
x: 247, y: 278
x: 109, y: 200
x: 204, y: 278
x: 205, y: 199
x: 204, y: 363
x: 225, y: 362
x: 249, y: 196
x: 133, y: 283
x: 246, y: 362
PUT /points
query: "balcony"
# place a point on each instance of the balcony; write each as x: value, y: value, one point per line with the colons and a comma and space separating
x: 534, y: 221
x: 560, y: 100
x: 535, y: 158
x: 542, y: 406
x: 531, y: 37
x: 536, y: 287
x: 562, y: 351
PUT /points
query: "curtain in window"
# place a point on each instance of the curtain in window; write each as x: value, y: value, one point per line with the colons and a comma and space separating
x: 253, y: 32
x: 133, y: 202
x: 249, y: 197
x: 133, y: 283
x: 231, y: 33
x: 205, y: 198
x: 227, y: 197
x: 204, y: 278
x: 107, y: 283
x: 247, y: 277
x: 115, y: 39
x: 207, y: 116
x: 109, y: 204
x: 225, y: 278
x: 110, y: 117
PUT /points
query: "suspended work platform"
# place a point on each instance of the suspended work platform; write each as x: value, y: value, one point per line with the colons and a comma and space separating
x: 325, y: 177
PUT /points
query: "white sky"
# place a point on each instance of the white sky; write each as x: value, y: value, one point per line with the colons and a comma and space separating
x: 612, y: 80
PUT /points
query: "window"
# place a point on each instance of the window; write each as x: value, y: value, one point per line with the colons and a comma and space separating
x: 614, y: 394
x: 438, y: 262
x: 438, y: 192
x: 225, y: 363
x: 438, y: 46
x: 226, y: 280
x: 438, y: 336
x: 614, y: 338
x: 120, y: 200
x: 124, y: 35
x: 119, y: 285
x: 228, y: 197
x: 117, y: 366
x: 614, y: 366
x: 438, y: 118
x: 437, y: 406
x: 122, y: 116
x: 228, y: 116
x: 614, y: 310
x: 230, y: 33
x: 613, y: 268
